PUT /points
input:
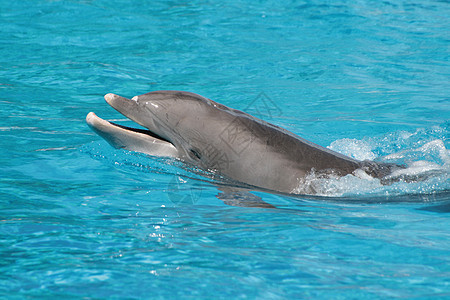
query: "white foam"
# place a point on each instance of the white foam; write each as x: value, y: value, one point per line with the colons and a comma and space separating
x: 357, y: 149
x: 427, y: 171
x: 417, y: 168
x: 334, y: 186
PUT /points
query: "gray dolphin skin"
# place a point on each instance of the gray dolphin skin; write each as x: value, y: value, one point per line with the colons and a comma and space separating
x: 219, y: 139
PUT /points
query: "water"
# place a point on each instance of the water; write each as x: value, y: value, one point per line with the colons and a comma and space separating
x: 366, y: 78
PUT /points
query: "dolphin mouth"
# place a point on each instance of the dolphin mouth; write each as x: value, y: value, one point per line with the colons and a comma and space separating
x: 100, y: 125
x: 133, y: 139
x: 128, y: 107
x: 129, y: 138
x: 141, y: 131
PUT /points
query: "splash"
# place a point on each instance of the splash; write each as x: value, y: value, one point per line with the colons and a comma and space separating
x: 423, y: 152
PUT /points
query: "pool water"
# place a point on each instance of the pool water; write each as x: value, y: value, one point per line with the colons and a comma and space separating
x: 79, y: 219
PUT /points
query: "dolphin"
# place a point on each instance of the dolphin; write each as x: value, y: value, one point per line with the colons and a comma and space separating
x: 225, y: 141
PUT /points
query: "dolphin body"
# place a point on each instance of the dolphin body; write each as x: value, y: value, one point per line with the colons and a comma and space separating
x: 219, y: 139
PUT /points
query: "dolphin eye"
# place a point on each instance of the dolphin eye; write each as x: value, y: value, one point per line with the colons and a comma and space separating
x: 195, y: 153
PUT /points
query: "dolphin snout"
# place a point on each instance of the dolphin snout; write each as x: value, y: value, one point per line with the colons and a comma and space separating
x: 123, y: 105
x: 110, y: 97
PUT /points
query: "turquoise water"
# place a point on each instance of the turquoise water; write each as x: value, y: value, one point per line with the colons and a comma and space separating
x: 366, y: 78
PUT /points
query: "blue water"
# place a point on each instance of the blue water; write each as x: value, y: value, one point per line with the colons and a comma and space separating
x: 79, y: 219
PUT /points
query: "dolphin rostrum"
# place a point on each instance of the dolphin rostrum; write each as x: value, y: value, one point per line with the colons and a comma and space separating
x: 219, y: 139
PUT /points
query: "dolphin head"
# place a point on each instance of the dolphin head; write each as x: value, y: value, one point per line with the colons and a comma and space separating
x: 188, y: 122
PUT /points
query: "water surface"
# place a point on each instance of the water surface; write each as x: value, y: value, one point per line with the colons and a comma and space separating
x: 365, y: 78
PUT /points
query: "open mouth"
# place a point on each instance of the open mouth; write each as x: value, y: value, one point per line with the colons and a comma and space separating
x: 100, y: 125
x: 109, y: 130
x: 141, y: 131
x: 133, y: 139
